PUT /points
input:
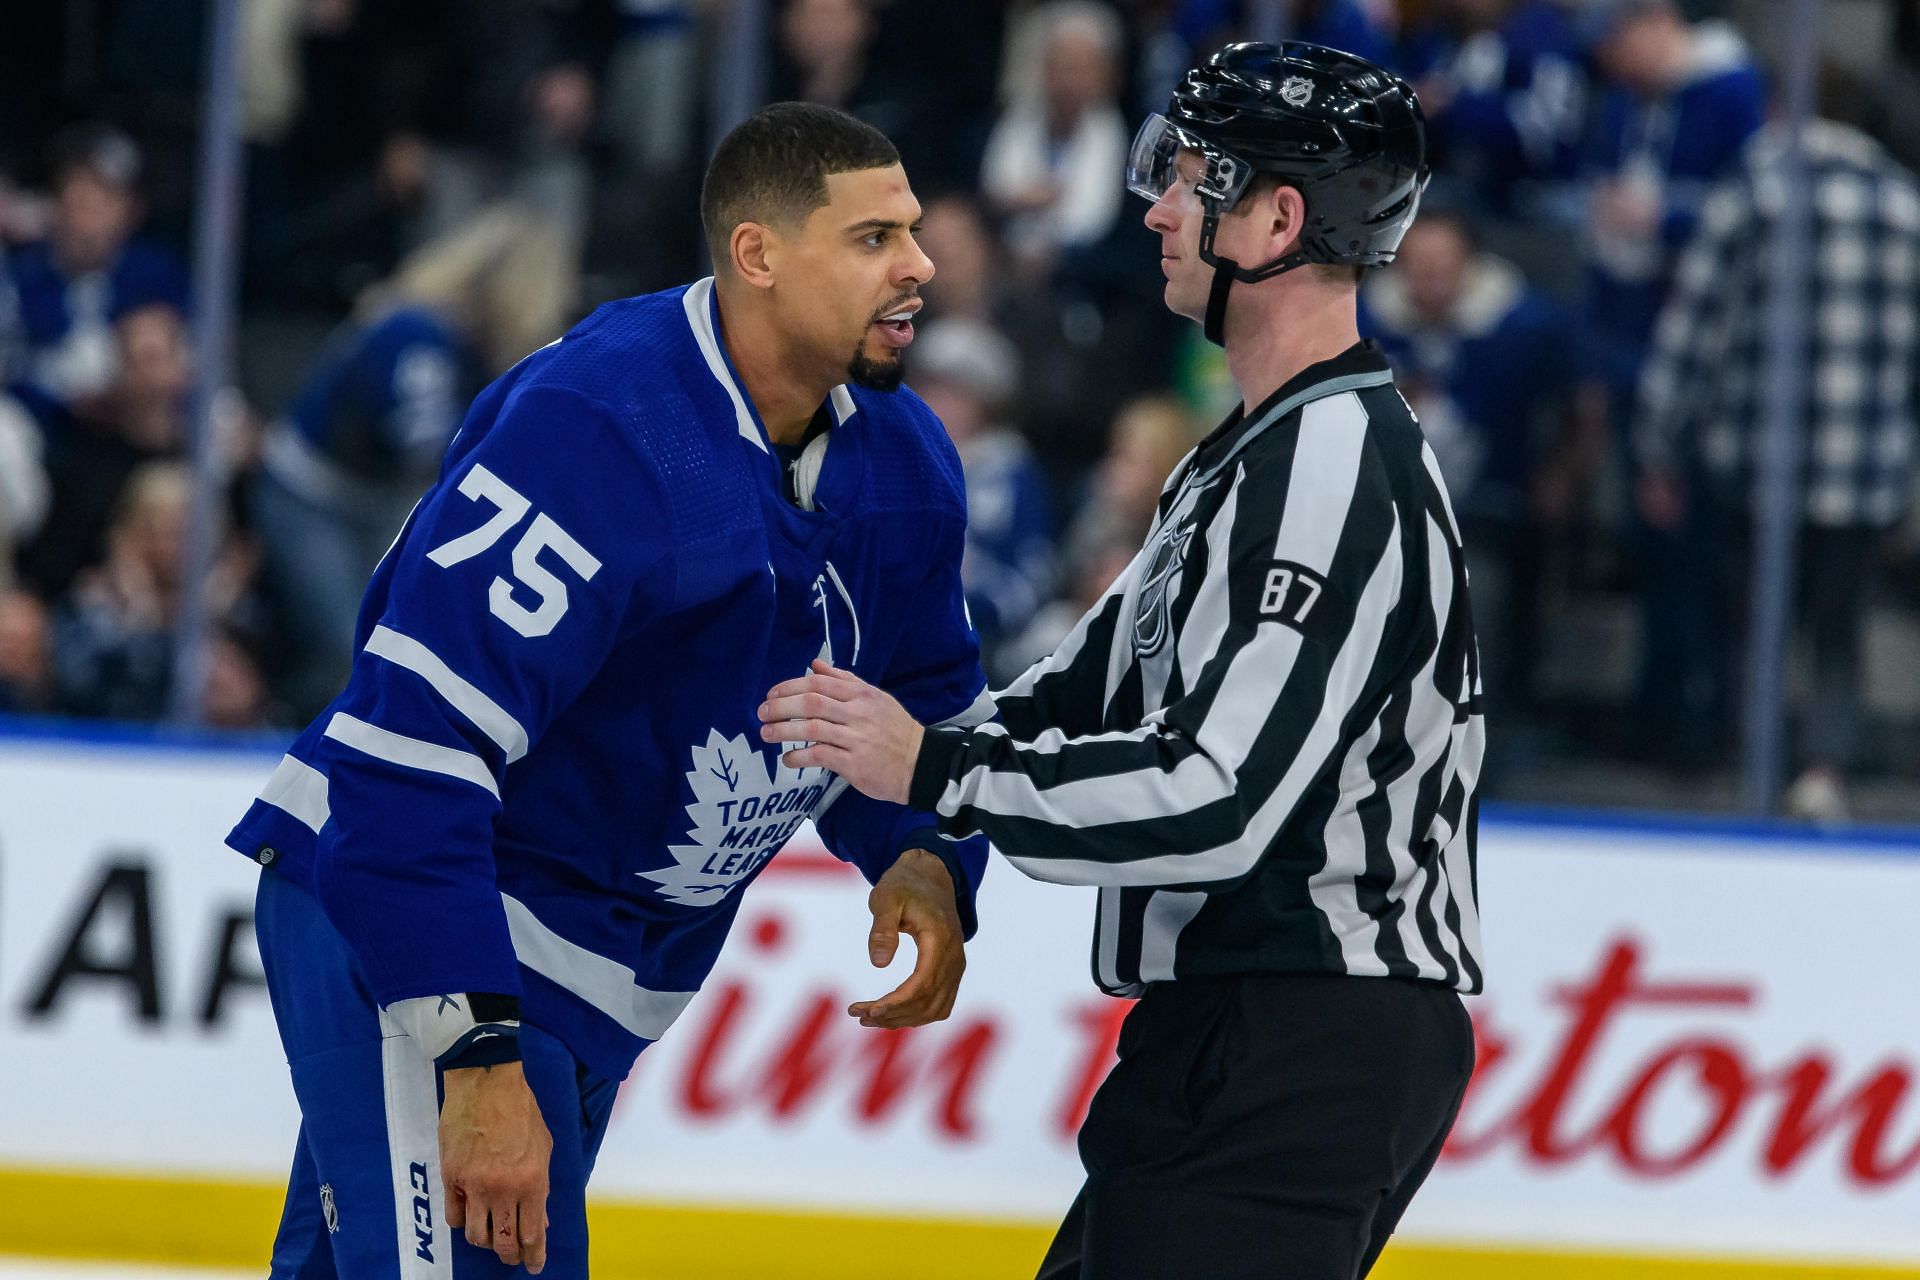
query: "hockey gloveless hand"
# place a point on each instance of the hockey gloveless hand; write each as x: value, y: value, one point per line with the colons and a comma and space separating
x: 494, y: 1149
x: 848, y: 726
x: 915, y: 897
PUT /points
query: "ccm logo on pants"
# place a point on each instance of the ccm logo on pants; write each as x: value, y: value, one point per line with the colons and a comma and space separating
x: 422, y: 1212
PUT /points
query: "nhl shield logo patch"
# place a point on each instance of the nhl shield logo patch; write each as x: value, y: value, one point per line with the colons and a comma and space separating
x: 1296, y: 91
x: 1153, y: 613
x: 328, y: 1212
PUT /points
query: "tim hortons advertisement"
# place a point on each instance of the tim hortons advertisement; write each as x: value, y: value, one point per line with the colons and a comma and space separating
x: 1699, y: 1040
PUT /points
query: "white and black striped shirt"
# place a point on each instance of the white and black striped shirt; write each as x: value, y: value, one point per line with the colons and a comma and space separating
x: 1264, y: 743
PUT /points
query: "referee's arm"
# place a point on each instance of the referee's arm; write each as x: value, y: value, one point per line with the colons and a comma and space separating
x: 1280, y: 643
x: 1067, y: 689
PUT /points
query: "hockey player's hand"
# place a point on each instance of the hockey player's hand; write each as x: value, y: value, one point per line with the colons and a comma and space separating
x: 849, y: 726
x: 915, y: 897
x: 493, y: 1158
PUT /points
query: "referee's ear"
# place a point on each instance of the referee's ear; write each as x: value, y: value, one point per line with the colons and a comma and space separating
x: 1284, y: 210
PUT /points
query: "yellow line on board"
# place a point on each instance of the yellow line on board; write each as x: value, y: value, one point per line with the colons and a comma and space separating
x: 74, y: 1214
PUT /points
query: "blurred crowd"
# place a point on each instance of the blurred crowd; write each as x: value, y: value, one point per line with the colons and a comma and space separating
x: 435, y: 187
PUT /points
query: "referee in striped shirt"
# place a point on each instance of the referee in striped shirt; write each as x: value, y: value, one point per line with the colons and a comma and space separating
x: 1263, y: 744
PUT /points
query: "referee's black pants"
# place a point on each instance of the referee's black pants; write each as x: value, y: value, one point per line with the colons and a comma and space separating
x: 1269, y: 1125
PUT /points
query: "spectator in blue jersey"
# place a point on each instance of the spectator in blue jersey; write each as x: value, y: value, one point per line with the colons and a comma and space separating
x: 1678, y: 102
x: 967, y: 372
x: 506, y: 857
x: 113, y: 634
x: 1487, y: 362
x: 1682, y: 101
x: 91, y: 269
x: 1504, y: 90
x: 365, y: 434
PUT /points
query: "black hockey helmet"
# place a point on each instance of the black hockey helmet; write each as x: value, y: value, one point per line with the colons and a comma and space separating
x: 1345, y: 131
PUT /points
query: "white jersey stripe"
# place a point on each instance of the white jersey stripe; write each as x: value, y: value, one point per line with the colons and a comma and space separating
x: 410, y: 753
x: 1333, y: 889
x: 1224, y: 862
x: 607, y: 985
x: 1326, y: 470
x: 1107, y: 935
x: 1174, y: 745
x: 481, y: 711
x: 298, y: 789
x: 1167, y: 914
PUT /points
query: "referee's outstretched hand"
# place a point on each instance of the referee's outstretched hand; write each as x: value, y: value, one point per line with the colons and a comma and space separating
x: 494, y: 1149
x: 846, y: 725
x: 915, y: 897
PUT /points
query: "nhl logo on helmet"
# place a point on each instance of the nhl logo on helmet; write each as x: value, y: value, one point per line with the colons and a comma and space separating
x: 1296, y: 91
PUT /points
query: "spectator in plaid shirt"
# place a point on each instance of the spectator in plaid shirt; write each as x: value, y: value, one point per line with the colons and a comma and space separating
x: 1703, y: 405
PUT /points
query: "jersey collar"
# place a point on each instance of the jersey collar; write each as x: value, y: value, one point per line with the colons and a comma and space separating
x: 703, y: 317
x: 1360, y: 365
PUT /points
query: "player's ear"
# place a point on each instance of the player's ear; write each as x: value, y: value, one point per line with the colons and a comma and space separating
x: 752, y: 249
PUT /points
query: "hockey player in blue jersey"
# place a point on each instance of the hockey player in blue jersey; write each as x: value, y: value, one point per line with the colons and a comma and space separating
x: 504, y: 859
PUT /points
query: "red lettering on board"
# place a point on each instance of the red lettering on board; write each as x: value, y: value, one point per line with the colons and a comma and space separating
x: 820, y: 1048
x: 1714, y: 1072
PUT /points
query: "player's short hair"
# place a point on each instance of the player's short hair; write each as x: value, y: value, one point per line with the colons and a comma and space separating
x: 773, y: 167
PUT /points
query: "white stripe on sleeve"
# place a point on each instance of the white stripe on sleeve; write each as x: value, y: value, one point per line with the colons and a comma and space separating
x: 412, y: 753
x: 1345, y: 683
x: 298, y: 789
x: 1166, y: 916
x: 607, y: 985
x: 483, y: 712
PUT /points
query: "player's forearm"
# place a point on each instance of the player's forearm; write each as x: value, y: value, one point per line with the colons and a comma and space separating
x: 875, y: 834
x: 404, y: 870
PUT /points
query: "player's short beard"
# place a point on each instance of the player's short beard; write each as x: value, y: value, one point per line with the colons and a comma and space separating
x: 875, y: 375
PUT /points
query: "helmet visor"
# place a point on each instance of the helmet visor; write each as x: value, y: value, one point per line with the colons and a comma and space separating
x: 1168, y: 159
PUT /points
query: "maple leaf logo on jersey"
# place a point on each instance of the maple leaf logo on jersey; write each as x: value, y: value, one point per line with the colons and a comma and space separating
x: 746, y: 805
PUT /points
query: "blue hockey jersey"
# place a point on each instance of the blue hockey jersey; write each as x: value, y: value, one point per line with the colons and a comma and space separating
x: 385, y: 396
x: 66, y: 323
x: 544, y: 777
x: 1675, y: 147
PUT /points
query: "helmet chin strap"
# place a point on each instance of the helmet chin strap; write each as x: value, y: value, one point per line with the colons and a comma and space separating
x: 1226, y: 271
